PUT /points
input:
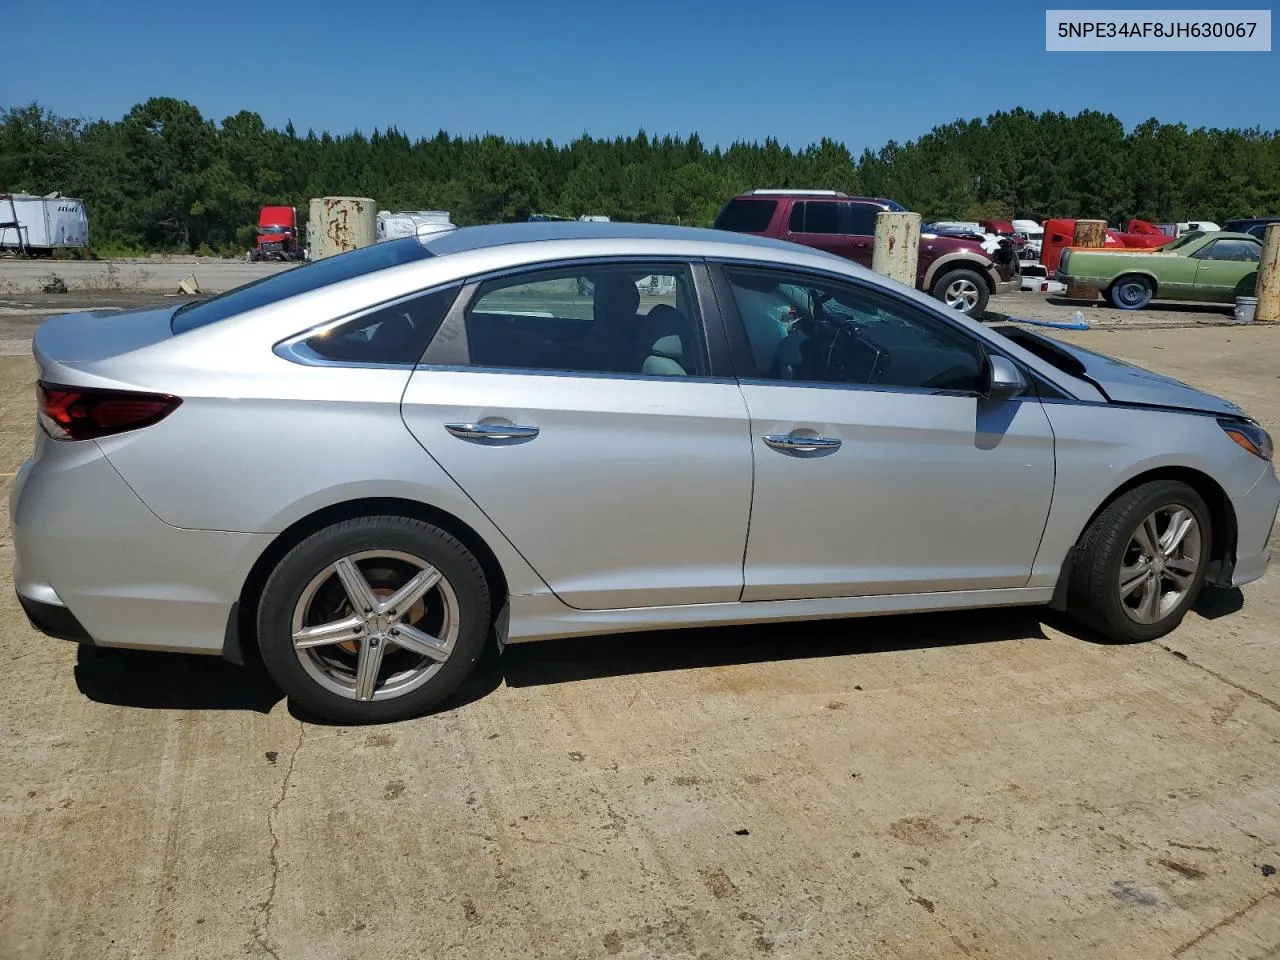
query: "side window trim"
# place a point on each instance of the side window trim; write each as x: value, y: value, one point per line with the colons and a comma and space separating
x: 449, y: 348
x: 744, y: 361
x: 294, y: 347
x: 796, y: 224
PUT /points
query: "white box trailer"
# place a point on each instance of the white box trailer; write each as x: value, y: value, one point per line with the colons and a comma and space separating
x: 409, y: 223
x: 42, y: 224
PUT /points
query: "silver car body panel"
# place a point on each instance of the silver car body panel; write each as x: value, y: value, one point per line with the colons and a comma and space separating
x: 635, y: 500
x: 135, y: 580
x: 1099, y: 450
x: 1126, y: 383
x: 925, y: 493
x: 635, y: 491
x: 545, y: 617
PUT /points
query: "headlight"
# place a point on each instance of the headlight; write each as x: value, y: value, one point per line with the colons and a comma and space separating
x: 1250, y: 436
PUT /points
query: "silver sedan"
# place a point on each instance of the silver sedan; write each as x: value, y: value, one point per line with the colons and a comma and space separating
x: 372, y: 466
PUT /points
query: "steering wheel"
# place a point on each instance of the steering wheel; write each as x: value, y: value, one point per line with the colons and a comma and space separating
x: 872, y: 362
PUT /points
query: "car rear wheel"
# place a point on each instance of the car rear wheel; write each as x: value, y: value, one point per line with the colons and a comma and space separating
x: 964, y: 290
x: 1131, y: 293
x: 374, y: 619
x: 1141, y: 563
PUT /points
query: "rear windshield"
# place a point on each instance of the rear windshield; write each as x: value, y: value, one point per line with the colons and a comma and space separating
x: 303, y: 279
x: 746, y: 216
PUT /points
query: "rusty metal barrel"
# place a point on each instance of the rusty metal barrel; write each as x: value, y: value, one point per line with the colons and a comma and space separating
x: 1087, y: 233
x: 1268, y: 292
x: 339, y: 224
x: 897, y: 247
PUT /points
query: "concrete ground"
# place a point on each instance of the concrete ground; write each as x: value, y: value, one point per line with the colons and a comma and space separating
x: 158, y: 274
x: 991, y: 784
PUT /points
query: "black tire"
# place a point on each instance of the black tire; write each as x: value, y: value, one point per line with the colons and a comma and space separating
x: 1130, y: 292
x: 958, y: 276
x: 1094, y: 589
x: 296, y: 570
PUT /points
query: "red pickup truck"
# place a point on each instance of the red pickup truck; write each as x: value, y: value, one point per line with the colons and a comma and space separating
x: 1058, y: 235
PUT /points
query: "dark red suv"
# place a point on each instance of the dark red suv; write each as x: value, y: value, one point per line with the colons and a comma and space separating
x: 961, y: 271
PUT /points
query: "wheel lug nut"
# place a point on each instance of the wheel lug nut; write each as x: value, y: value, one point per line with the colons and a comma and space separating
x: 373, y: 641
x: 359, y: 628
x: 395, y: 631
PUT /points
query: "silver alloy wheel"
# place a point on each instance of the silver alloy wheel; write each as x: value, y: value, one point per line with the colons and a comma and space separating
x: 961, y: 295
x: 1160, y: 564
x: 375, y: 625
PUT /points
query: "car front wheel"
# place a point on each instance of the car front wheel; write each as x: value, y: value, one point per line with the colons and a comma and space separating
x: 374, y: 619
x: 964, y: 290
x: 1141, y: 563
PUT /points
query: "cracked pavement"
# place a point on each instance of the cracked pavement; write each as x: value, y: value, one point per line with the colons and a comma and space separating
x: 979, y: 785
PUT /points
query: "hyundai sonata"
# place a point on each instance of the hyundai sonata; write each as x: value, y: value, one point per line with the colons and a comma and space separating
x: 374, y: 465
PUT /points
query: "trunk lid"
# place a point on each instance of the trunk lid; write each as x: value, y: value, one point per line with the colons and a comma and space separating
x: 75, y: 342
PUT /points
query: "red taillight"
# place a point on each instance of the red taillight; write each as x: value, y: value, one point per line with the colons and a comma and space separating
x: 80, y: 413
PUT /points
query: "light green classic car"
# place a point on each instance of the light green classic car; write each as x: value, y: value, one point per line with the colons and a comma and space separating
x: 1212, y: 267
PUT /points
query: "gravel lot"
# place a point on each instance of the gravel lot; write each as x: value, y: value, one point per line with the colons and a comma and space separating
x: 982, y: 785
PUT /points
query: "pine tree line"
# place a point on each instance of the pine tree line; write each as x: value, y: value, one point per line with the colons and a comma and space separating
x: 165, y: 178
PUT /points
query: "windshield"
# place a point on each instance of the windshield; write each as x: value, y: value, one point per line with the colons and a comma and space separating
x: 273, y: 228
x: 1183, y: 240
x: 299, y: 280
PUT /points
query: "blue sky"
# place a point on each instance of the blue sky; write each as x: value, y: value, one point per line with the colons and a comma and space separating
x: 862, y: 73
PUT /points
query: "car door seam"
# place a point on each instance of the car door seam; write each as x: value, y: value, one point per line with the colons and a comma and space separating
x: 712, y: 278
x: 466, y: 493
x: 1053, y: 494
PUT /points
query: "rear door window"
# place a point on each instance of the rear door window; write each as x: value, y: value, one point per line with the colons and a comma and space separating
x: 609, y: 318
x: 821, y: 216
x: 746, y: 215
x: 862, y: 219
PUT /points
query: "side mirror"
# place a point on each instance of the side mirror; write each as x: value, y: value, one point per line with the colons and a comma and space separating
x: 1004, y: 379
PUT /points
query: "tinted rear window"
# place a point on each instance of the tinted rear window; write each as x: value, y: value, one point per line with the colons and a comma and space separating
x: 291, y: 283
x: 746, y: 216
x: 864, y: 219
x: 822, y: 216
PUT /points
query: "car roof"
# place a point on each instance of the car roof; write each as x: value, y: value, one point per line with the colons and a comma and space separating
x: 467, y: 239
x: 799, y: 194
x: 469, y: 252
x: 1230, y: 235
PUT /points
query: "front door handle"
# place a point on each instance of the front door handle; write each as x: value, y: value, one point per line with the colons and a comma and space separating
x: 491, y: 431
x: 789, y: 443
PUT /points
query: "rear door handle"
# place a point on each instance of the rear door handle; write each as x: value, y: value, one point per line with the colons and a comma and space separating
x: 788, y: 443
x: 491, y: 431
